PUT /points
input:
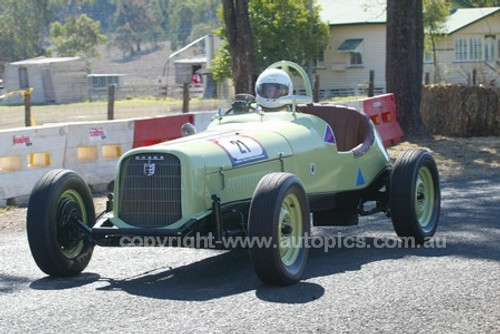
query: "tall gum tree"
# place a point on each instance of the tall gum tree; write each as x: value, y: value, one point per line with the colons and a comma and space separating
x: 404, y: 61
x: 240, y: 40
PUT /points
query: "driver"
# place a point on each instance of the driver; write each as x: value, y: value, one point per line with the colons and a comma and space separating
x: 271, y: 85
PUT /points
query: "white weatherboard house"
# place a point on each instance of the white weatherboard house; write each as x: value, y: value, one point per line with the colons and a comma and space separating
x: 54, y: 80
x: 470, y: 41
x: 357, y: 45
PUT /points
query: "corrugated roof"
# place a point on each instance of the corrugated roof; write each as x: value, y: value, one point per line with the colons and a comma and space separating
x: 348, y: 12
x: 345, y: 12
x: 193, y: 60
x: 45, y: 60
x: 464, y: 17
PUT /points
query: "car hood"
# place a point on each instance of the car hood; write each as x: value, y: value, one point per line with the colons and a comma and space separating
x: 230, y: 144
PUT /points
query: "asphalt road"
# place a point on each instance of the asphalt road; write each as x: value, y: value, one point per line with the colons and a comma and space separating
x: 451, y: 288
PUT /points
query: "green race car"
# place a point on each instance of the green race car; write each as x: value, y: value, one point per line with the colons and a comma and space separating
x: 254, y: 178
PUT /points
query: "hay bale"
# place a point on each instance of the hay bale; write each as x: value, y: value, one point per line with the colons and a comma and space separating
x: 461, y: 111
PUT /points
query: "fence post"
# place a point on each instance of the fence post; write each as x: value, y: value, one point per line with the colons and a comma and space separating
x: 474, y: 77
x: 27, y: 107
x: 371, y: 84
x: 111, y: 102
x: 316, y: 88
x: 185, y: 98
x: 427, y: 78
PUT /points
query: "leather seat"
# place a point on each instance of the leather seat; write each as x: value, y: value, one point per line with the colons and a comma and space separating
x: 352, y: 129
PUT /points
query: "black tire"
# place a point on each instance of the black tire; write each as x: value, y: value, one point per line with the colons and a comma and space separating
x: 279, y: 212
x: 415, y: 195
x: 58, y: 199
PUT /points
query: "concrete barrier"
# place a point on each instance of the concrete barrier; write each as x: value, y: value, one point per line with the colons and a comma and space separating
x: 26, y: 154
x: 93, y: 149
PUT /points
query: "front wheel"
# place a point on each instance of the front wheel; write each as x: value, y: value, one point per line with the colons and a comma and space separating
x: 278, y: 225
x: 58, y: 201
x: 415, y: 195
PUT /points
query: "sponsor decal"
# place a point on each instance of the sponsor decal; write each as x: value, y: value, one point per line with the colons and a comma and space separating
x: 361, y: 180
x: 21, y: 140
x: 329, y: 137
x: 241, y: 149
x: 97, y: 134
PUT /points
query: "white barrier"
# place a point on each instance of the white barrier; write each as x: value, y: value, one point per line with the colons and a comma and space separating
x: 25, y: 155
x: 93, y: 149
x: 202, y: 119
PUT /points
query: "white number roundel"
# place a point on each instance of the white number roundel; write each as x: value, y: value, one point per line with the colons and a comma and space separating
x: 241, y: 149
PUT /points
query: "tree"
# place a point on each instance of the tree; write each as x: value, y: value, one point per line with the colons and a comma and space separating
x: 123, y: 39
x: 137, y: 14
x: 404, y: 61
x: 21, y: 35
x: 191, y: 19
x: 240, y: 41
x: 435, y: 15
x: 79, y: 36
x: 282, y: 30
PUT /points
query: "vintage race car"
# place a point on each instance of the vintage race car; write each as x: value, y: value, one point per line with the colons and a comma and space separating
x: 263, y: 178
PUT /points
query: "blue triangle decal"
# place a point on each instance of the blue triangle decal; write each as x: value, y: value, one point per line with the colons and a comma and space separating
x: 361, y: 179
x: 329, y: 137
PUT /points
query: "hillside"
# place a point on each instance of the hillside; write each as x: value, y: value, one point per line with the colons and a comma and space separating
x: 141, y: 71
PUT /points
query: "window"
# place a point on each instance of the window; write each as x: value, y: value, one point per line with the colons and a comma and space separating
x: 103, y: 81
x: 353, y: 46
x: 489, y: 49
x: 429, y: 57
x: 355, y: 59
x: 469, y: 49
x: 319, y: 61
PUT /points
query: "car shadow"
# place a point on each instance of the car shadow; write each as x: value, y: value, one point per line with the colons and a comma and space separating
x: 64, y: 283
x: 231, y: 273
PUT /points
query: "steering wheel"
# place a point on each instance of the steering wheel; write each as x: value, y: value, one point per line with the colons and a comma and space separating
x: 242, y: 104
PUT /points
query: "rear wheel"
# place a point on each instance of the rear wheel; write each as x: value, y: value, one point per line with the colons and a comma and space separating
x: 415, y: 195
x: 279, y: 214
x: 58, y: 201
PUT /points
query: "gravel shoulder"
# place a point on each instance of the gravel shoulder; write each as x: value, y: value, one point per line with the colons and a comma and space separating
x: 458, y: 159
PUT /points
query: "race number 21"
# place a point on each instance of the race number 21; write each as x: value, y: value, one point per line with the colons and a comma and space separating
x: 241, y: 149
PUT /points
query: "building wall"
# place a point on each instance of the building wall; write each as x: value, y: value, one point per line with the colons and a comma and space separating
x: 337, y: 77
x: 69, y: 82
x: 460, y: 72
x: 12, y: 83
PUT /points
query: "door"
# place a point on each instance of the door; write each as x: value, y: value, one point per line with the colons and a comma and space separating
x: 48, y: 87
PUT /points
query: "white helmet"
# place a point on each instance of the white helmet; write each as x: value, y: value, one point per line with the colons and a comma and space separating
x: 272, y: 84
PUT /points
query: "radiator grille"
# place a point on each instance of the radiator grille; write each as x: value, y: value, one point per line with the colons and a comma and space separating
x: 150, y: 190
